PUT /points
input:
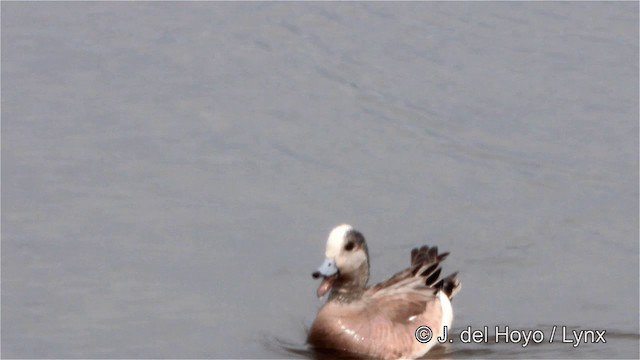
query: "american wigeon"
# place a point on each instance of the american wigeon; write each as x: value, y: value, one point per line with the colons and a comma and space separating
x: 380, y: 320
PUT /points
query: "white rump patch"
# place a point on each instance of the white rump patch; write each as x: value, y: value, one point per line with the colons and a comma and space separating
x: 447, y: 310
x: 336, y: 240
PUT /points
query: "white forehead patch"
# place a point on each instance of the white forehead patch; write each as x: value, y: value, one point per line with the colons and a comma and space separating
x: 336, y: 240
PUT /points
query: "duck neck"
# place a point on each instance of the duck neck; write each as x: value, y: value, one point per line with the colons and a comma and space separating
x: 350, y: 287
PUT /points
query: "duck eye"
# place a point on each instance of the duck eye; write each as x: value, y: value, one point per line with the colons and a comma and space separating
x: 349, y: 246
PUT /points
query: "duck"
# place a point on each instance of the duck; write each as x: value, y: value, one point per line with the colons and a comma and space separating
x: 400, y: 317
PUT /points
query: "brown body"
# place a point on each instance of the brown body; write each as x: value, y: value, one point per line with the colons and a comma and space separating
x: 382, y: 327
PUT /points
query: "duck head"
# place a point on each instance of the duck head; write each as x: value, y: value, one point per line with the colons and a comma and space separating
x: 346, y: 264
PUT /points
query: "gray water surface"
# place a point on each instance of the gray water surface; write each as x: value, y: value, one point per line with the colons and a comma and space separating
x: 170, y: 171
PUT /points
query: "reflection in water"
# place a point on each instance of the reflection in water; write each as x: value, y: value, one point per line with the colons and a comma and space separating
x: 490, y: 349
x: 437, y: 352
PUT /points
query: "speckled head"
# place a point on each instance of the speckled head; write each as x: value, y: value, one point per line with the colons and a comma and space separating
x: 346, y: 262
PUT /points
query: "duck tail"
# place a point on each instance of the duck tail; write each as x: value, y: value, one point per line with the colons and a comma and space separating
x: 425, y: 262
x: 450, y: 285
